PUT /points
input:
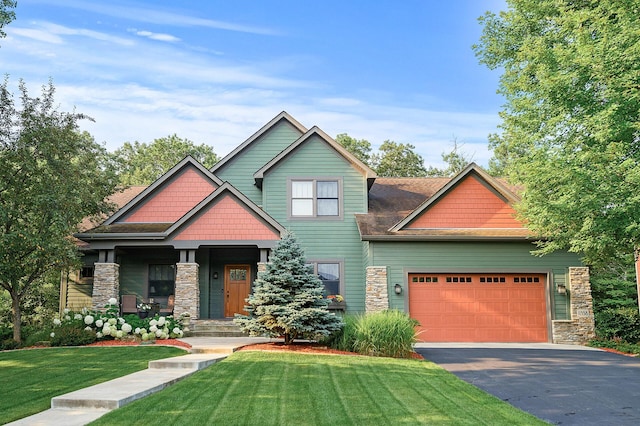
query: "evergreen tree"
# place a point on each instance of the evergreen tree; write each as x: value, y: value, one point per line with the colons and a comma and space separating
x: 287, y: 299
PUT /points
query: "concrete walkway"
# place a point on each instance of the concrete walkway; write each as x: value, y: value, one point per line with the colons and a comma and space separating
x: 86, y: 405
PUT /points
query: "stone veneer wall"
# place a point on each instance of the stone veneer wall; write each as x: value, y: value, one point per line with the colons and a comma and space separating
x: 377, y: 295
x: 187, y: 290
x: 581, y: 328
x: 106, y: 284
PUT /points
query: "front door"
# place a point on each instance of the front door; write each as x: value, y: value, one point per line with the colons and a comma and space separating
x: 237, y: 286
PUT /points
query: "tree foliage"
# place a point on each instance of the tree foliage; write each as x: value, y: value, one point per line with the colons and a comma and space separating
x: 570, y: 126
x: 141, y: 163
x: 7, y: 14
x: 456, y: 160
x: 361, y: 148
x: 51, y: 177
x: 398, y: 160
x: 287, y: 300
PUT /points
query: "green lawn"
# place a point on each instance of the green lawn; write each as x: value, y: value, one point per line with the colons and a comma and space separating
x: 30, y: 378
x: 277, y: 388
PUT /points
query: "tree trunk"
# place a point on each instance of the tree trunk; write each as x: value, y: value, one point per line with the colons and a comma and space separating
x: 17, y: 317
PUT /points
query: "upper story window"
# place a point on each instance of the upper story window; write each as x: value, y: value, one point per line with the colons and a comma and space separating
x: 315, y: 198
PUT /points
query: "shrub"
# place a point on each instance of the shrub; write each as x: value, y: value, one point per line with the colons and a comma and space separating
x: 620, y: 323
x: 7, y: 344
x: 388, y: 333
x: 70, y: 335
x: 344, y: 338
x: 35, y: 337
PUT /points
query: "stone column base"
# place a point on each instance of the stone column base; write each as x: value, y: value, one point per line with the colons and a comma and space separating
x: 581, y: 327
x: 187, y: 298
x: 106, y: 284
x: 377, y: 293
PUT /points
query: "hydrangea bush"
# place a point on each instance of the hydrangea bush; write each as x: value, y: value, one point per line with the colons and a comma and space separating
x: 109, y: 324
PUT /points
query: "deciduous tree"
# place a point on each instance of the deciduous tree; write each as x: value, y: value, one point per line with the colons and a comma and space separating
x: 52, y: 176
x: 7, y: 14
x: 398, y: 160
x: 361, y: 148
x: 141, y: 163
x: 571, y: 122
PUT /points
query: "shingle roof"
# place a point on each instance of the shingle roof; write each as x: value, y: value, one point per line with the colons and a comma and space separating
x: 392, y: 199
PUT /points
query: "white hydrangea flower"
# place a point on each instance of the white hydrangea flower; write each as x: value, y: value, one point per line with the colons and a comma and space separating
x: 113, y: 301
x: 126, y: 328
x: 56, y: 321
x: 176, y: 330
x: 99, y: 335
x: 153, y: 322
x: 143, y: 330
x: 106, y: 330
x: 77, y: 317
x: 159, y: 333
x: 66, y: 311
x: 137, y: 330
x: 88, y: 320
x: 99, y: 323
x: 153, y: 329
x: 52, y: 334
x: 67, y: 318
x: 87, y: 328
x: 119, y: 334
x: 121, y: 320
x: 113, y: 321
x: 161, y: 321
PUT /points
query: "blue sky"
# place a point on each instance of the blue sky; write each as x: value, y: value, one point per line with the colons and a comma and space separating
x: 216, y: 71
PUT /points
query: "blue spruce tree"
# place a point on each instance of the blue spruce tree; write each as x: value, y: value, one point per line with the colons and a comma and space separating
x: 287, y: 299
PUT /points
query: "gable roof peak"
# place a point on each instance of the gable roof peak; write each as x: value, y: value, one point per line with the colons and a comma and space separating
x: 264, y: 129
x: 316, y: 131
x: 471, y: 169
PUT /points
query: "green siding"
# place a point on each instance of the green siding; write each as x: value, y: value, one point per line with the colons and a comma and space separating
x: 239, y: 170
x: 324, y: 239
x: 405, y: 257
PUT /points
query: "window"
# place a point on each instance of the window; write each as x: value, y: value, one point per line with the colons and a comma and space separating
x: 313, y: 198
x: 161, y: 280
x: 329, y: 274
x: 86, y: 272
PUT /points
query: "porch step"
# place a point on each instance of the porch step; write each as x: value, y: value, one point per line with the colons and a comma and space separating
x: 215, y: 328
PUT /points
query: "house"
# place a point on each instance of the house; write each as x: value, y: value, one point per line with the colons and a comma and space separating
x: 450, y: 252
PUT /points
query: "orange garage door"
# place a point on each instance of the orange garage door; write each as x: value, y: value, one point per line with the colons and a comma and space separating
x: 479, y: 307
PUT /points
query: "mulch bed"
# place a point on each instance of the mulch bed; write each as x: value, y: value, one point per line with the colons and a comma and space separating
x: 304, y: 347
x: 163, y: 342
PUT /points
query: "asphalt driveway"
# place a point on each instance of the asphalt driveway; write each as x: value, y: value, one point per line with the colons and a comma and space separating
x: 560, y: 384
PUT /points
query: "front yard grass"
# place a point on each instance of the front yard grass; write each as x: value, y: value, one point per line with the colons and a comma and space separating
x: 30, y: 378
x: 280, y: 388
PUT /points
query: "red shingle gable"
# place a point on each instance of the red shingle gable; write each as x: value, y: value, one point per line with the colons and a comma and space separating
x: 175, y: 199
x: 469, y: 204
x: 227, y: 220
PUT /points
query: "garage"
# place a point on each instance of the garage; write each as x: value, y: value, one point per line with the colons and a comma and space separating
x: 479, y: 307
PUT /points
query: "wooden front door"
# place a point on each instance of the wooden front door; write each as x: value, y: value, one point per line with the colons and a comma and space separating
x: 237, y: 286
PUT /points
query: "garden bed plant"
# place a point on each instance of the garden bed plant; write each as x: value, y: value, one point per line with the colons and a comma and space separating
x: 86, y: 327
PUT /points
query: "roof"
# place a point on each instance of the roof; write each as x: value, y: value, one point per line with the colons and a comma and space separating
x: 395, y: 202
x: 369, y: 174
x: 283, y: 116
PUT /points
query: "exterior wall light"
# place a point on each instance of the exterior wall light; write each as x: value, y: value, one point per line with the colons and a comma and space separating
x: 562, y: 289
x: 397, y: 288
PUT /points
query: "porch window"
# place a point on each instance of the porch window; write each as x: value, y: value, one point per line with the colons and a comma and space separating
x: 315, y: 197
x: 329, y: 273
x: 161, y: 280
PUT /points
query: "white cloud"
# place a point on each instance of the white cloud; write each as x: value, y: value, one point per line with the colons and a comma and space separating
x: 156, y: 36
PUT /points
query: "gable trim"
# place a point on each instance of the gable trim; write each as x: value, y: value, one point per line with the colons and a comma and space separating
x: 316, y: 131
x: 471, y: 169
x: 187, y: 161
x: 264, y: 129
x: 226, y: 187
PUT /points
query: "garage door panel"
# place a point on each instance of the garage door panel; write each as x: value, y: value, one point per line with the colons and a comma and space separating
x: 480, y: 308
